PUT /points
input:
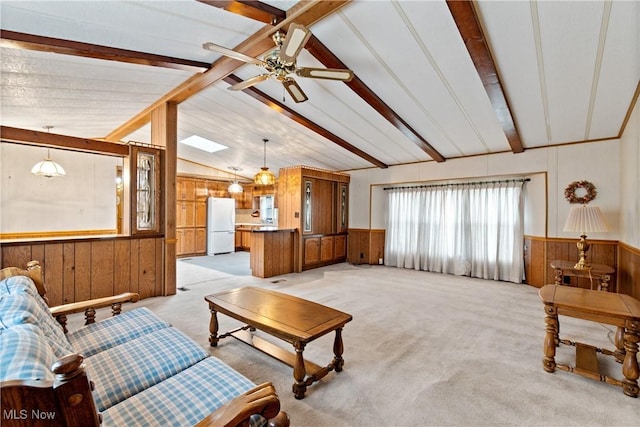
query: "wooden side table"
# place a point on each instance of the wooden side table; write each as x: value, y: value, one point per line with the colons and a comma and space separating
x: 600, y: 272
x: 611, y: 308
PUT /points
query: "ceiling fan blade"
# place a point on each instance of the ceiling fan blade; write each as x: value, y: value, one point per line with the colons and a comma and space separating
x: 231, y: 53
x: 342, y: 74
x: 295, y: 40
x: 249, y: 82
x: 294, y: 90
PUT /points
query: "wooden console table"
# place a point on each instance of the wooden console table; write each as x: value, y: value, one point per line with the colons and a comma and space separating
x: 599, y: 272
x: 615, y: 309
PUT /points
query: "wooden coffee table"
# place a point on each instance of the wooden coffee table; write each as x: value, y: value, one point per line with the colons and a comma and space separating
x: 294, y: 320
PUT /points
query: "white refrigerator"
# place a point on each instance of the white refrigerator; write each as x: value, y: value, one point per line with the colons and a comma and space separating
x: 221, y: 225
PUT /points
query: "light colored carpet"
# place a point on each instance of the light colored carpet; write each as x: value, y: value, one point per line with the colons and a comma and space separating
x: 423, y: 349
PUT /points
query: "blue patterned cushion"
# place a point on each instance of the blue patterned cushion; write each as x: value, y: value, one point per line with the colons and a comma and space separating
x: 21, y: 307
x: 25, y: 354
x: 181, y: 400
x: 15, y: 284
x: 124, y: 370
x: 114, y: 331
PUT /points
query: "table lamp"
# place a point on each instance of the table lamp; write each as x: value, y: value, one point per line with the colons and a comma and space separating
x: 585, y: 219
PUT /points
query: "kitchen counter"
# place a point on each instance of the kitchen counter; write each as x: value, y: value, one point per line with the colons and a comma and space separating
x: 271, y: 251
x: 263, y: 228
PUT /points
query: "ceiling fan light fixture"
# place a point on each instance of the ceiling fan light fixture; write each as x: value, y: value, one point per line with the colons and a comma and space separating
x: 294, y: 90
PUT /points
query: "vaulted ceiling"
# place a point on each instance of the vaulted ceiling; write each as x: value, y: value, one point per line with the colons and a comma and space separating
x: 434, y: 80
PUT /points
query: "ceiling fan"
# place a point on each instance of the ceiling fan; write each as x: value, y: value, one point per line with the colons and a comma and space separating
x: 281, y: 62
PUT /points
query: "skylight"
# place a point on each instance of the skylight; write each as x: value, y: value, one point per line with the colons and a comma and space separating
x: 203, y: 144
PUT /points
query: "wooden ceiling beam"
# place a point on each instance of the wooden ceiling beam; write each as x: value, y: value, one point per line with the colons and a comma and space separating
x: 329, y: 60
x: 13, y: 39
x: 298, y: 118
x: 255, y: 10
x: 469, y: 27
x: 34, y: 137
x: 305, y: 13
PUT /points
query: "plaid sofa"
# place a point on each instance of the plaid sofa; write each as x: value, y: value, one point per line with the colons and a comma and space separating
x: 145, y: 372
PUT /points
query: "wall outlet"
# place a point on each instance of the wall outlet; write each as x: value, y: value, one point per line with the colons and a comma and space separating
x: 380, y: 261
x: 361, y: 255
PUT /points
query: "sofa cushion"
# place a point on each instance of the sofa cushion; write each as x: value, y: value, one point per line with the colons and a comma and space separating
x: 25, y: 354
x: 124, y: 370
x: 181, y: 400
x: 20, y: 283
x: 21, y: 307
x: 114, y: 331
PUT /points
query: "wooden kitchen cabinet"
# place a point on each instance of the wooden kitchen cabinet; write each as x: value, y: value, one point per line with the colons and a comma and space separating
x: 185, y: 241
x: 186, y: 214
x: 326, y: 248
x: 201, y: 213
x: 315, y: 202
x: 311, y: 250
x: 340, y: 247
x: 200, y: 240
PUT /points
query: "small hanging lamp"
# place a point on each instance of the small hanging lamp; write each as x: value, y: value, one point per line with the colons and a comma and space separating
x: 235, y: 187
x: 48, y: 167
x: 265, y: 176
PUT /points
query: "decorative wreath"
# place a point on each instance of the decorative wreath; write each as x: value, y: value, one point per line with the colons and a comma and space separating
x: 570, y: 192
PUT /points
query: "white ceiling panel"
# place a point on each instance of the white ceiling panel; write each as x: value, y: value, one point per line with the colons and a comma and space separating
x: 508, y: 27
x: 569, y: 39
x: 79, y: 96
x: 569, y: 71
x: 171, y: 28
x: 619, y: 70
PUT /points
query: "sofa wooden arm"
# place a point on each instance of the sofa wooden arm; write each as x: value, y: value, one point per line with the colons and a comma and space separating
x: 65, y: 402
x: 89, y: 307
x: 261, y: 400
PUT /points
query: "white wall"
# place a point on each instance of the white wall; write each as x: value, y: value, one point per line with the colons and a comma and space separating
x: 630, y: 181
x: 551, y: 170
x: 84, y: 199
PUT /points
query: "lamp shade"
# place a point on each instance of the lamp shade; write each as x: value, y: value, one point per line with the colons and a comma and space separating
x: 235, y: 188
x: 585, y: 219
x: 48, y: 168
x: 264, y: 177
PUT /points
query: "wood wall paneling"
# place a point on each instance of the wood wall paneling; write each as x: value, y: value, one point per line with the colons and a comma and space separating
x: 134, y: 278
x: 376, y: 246
x: 54, y: 272
x: 102, y: 260
x: 78, y: 270
x: 535, y: 270
x: 68, y: 275
x: 122, y: 270
x: 629, y: 270
x: 147, y: 274
x: 82, y: 270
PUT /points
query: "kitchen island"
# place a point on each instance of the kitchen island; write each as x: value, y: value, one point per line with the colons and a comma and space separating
x: 272, y: 250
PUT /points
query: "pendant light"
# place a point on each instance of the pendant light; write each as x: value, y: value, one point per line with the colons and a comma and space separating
x: 265, y: 176
x: 48, y: 167
x: 235, y: 187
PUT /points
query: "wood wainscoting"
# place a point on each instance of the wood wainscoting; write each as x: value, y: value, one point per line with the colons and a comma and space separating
x: 366, y: 246
x: 82, y: 269
x: 540, y: 251
x: 629, y: 270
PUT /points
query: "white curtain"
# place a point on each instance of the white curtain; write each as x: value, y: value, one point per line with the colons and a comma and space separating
x: 465, y: 229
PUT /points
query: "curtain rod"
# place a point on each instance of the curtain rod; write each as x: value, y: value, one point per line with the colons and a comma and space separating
x: 455, y: 184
